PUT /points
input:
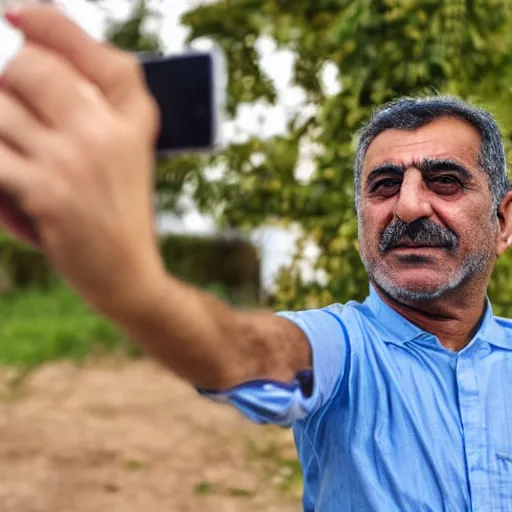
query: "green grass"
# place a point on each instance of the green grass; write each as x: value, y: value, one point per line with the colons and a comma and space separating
x: 37, y: 326
x: 133, y: 465
x: 284, y: 472
x: 204, y: 487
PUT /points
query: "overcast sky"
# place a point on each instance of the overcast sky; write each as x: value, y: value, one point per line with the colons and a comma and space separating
x: 277, y: 245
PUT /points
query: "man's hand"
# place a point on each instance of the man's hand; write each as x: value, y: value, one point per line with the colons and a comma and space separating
x: 77, y: 133
x: 77, y: 128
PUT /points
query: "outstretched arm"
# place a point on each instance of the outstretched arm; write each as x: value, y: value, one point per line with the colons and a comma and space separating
x: 210, y: 344
x: 77, y: 135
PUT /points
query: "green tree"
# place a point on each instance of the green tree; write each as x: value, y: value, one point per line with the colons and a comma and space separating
x: 132, y: 34
x: 382, y: 49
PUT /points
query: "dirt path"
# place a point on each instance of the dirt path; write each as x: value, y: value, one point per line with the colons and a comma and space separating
x: 128, y: 437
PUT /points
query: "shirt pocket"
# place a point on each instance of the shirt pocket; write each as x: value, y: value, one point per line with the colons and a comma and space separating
x: 502, y: 481
x: 504, y: 460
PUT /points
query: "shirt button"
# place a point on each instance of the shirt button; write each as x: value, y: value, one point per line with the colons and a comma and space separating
x: 484, y: 349
x: 463, y: 365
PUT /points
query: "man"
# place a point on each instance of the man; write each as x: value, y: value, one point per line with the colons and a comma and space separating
x: 401, y: 403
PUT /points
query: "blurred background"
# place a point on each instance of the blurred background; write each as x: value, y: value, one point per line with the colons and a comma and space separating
x: 87, y: 422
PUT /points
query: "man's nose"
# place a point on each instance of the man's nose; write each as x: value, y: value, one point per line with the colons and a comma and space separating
x: 413, y: 202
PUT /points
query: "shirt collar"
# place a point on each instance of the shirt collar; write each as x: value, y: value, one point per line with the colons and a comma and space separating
x: 397, y: 329
x: 492, y: 332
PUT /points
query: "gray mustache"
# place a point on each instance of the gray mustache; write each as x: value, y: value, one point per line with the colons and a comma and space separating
x: 421, y: 231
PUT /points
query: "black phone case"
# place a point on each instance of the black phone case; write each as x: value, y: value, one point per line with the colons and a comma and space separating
x: 186, y: 89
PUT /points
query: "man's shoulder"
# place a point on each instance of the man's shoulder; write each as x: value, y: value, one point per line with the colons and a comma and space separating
x: 335, y: 318
x: 341, y: 311
x: 505, y: 336
x: 335, y: 308
x: 504, y: 323
x: 352, y: 316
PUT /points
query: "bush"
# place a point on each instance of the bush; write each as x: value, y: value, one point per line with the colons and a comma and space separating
x: 211, y: 263
x: 232, y: 265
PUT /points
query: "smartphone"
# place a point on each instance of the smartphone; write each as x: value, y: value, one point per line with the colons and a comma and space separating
x: 189, y: 89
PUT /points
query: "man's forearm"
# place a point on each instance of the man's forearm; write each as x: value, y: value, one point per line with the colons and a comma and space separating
x: 210, y: 344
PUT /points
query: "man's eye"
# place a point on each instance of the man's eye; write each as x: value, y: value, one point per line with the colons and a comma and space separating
x: 446, y: 180
x: 445, y: 184
x: 386, y: 186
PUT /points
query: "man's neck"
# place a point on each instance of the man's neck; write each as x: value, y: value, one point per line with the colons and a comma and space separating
x: 454, y: 320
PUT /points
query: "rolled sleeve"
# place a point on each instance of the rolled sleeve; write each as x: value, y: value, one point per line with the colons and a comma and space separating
x: 283, y: 403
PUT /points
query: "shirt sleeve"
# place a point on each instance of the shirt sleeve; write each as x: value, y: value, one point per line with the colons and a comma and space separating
x: 283, y: 403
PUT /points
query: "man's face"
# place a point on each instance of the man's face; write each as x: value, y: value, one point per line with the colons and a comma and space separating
x: 426, y: 223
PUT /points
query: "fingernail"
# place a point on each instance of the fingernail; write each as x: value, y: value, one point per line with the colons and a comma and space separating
x: 13, y: 16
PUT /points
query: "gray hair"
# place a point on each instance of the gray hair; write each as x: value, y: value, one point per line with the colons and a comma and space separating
x: 413, y: 113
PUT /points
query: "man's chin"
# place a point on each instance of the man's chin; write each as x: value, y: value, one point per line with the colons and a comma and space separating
x: 419, y: 282
x: 413, y: 290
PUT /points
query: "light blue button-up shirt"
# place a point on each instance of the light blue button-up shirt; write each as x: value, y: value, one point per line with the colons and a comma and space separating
x: 395, y: 422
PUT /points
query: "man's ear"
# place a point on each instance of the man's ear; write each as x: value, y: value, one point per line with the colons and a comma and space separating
x: 505, y: 225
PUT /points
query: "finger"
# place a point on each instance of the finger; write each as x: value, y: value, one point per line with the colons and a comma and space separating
x: 51, y: 88
x: 113, y: 71
x: 18, y: 127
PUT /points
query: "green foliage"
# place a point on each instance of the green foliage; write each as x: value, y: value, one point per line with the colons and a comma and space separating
x: 132, y: 34
x: 381, y: 49
x: 237, y: 26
